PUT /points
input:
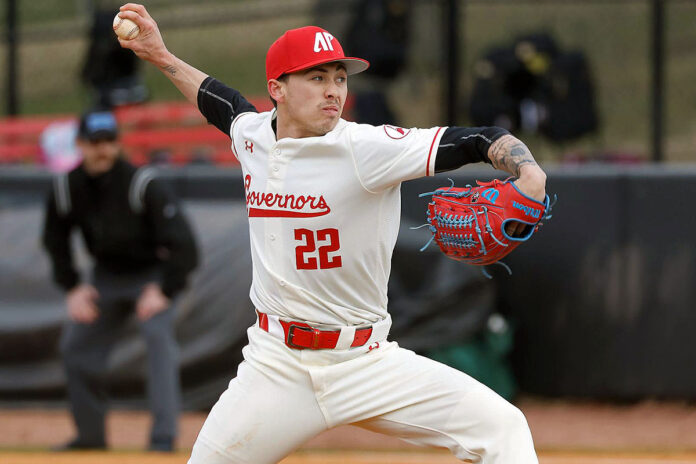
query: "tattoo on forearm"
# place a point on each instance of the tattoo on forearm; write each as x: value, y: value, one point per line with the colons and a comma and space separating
x: 170, y: 69
x: 509, y: 154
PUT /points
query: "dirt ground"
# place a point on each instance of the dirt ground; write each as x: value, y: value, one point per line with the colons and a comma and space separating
x: 335, y: 457
x: 564, y: 433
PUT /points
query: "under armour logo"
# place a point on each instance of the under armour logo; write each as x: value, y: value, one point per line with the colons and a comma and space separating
x: 374, y: 346
x: 249, y: 146
x: 322, y: 42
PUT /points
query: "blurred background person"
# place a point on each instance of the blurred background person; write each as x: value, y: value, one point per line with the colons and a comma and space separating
x: 380, y: 32
x: 143, y: 251
x: 111, y: 73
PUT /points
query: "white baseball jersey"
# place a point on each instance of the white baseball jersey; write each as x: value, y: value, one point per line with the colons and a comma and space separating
x: 324, y: 214
x: 324, y: 217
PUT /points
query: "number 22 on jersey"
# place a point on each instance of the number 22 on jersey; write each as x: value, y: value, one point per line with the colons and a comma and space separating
x: 306, y: 254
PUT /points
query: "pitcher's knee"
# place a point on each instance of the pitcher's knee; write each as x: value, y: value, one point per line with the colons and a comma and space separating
x: 496, y: 431
x: 510, y: 436
x: 510, y: 420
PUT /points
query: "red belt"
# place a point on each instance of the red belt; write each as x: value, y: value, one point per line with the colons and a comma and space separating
x: 300, y: 336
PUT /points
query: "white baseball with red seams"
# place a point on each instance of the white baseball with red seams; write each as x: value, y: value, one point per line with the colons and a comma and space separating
x: 125, y: 28
x: 343, y: 226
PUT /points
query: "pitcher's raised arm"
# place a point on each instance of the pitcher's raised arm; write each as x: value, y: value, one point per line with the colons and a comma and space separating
x: 149, y: 46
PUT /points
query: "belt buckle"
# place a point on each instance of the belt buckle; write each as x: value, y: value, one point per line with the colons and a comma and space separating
x: 291, y: 333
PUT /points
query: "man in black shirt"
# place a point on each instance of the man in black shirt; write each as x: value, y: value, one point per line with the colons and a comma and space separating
x: 143, y: 252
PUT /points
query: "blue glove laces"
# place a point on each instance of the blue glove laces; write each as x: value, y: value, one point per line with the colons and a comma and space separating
x: 460, y: 241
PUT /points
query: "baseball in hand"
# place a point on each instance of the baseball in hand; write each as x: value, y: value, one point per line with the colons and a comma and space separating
x: 125, y: 28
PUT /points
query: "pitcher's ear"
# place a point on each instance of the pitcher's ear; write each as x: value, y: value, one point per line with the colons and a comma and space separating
x: 276, y: 90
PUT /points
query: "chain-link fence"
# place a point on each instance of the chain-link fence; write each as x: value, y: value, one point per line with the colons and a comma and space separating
x: 229, y: 39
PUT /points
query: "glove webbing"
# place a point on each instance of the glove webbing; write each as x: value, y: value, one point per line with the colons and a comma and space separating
x: 459, y: 221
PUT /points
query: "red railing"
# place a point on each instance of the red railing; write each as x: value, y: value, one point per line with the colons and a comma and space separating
x: 175, y: 131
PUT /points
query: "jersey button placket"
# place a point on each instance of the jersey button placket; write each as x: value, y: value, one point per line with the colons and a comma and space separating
x: 274, y: 226
x: 275, y: 162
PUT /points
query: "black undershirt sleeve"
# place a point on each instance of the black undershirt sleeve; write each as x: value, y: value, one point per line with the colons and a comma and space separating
x: 464, y: 145
x: 221, y: 104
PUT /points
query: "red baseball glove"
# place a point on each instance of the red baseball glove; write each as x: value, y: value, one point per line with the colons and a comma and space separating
x: 468, y: 223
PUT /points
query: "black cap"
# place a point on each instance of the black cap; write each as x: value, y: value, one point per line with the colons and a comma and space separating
x: 98, y: 125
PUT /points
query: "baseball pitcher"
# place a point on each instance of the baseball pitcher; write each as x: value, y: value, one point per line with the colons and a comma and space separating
x: 323, y: 202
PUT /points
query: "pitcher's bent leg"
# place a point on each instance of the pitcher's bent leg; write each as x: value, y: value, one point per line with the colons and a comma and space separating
x: 258, y: 420
x: 452, y: 410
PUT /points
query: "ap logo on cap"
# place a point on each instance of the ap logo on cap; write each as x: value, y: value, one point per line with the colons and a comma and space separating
x: 306, y: 47
x: 322, y: 42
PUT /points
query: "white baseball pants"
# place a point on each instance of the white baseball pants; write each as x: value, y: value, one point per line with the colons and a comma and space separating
x: 282, y: 397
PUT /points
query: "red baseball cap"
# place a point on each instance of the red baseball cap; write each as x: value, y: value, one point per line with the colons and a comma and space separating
x: 304, y: 48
